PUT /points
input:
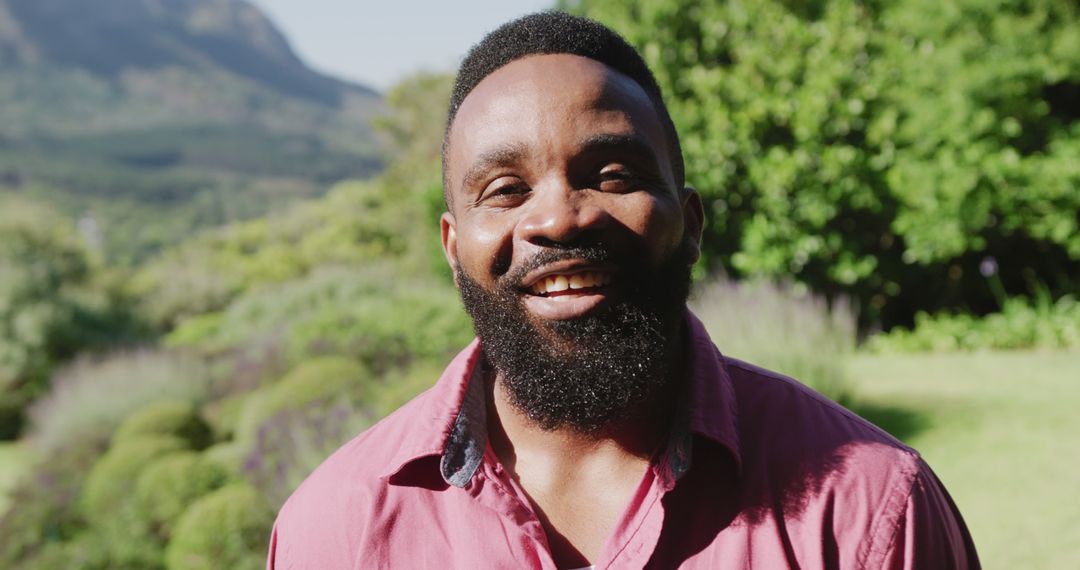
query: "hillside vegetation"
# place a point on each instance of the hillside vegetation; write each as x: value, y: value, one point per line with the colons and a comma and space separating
x: 190, y: 114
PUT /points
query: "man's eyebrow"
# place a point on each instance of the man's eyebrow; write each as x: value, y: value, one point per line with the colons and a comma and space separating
x: 630, y: 143
x: 498, y: 156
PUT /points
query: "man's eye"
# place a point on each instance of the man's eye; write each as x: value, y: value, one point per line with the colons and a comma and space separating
x: 617, y: 181
x: 508, y: 191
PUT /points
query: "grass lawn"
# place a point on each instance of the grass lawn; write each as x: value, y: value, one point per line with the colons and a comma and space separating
x: 1002, y: 432
x: 14, y: 459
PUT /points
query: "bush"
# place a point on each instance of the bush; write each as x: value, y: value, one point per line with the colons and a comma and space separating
x: 377, y: 314
x: 413, y: 320
x: 316, y: 381
x: 357, y: 223
x: 45, y: 508
x: 778, y: 327
x: 223, y: 415
x: 109, y: 485
x: 90, y: 398
x: 85, y: 552
x: 180, y: 419
x: 876, y: 149
x: 108, y: 502
x: 1020, y: 325
x: 229, y: 455
x: 228, y: 528
x: 170, y: 484
x: 292, y: 443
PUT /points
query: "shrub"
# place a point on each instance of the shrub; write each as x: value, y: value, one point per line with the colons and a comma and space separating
x: 223, y: 415
x: 779, y: 327
x: 180, y: 419
x: 315, y: 381
x: 90, y: 398
x: 46, y: 506
x: 390, y: 328
x: 109, y: 485
x: 229, y: 455
x: 294, y: 442
x: 170, y: 484
x: 400, y: 385
x: 377, y: 314
x: 85, y: 552
x: 1019, y: 325
x: 109, y: 503
x: 356, y: 223
x: 228, y: 528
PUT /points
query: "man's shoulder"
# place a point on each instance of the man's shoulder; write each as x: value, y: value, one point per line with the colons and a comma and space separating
x: 882, y: 502
x: 786, y: 428
x: 352, y: 478
x: 786, y: 406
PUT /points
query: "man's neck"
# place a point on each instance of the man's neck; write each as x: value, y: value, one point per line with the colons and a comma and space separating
x: 578, y: 483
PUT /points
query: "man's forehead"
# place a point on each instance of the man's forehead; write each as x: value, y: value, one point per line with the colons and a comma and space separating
x: 555, y: 89
x: 544, y: 76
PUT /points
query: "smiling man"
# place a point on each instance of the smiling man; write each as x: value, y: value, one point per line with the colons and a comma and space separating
x: 593, y: 422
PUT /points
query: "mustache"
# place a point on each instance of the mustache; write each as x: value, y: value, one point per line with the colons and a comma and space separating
x: 598, y: 253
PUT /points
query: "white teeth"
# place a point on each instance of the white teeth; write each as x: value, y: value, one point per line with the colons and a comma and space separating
x: 556, y: 283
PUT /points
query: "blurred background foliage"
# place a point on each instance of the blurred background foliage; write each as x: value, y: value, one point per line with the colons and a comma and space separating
x: 877, y: 150
x: 883, y: 180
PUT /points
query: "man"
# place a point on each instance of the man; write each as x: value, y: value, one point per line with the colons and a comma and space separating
x: 593, y: 423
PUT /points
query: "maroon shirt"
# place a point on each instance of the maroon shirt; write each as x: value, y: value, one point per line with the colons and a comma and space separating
x: 759, y: 472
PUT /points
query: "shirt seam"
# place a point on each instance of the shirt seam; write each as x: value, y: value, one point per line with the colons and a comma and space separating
x: 899, y: 497
x: 652, y: 504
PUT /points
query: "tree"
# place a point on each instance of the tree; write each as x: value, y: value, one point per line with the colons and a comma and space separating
x: 879, y: 150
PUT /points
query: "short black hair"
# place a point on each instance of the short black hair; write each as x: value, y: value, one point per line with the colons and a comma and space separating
x: 554, y: 32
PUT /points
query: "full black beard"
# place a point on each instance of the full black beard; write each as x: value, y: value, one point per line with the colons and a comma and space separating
x: 589, y: 373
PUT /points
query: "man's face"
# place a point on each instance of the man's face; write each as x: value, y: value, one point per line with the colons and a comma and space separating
x: 569, y: 238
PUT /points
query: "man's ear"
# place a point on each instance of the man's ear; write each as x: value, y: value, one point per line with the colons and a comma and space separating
x: 693, y: 218
x: 449, y: 241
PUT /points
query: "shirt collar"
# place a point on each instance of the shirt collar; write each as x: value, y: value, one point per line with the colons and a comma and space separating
x: 452, y: 421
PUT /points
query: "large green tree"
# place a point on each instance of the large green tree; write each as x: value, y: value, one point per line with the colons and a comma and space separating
x: 886, y: 151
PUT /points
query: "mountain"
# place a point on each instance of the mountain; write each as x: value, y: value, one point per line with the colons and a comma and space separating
x: 156, y: 118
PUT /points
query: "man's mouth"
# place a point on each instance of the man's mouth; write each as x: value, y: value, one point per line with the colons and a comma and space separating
x: 569, y: 289
x: 561, y: 286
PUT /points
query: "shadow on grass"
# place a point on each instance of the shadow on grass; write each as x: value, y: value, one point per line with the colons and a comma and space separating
x: 902, y: 423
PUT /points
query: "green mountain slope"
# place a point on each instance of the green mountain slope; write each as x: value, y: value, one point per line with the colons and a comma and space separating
x: 154, y: 118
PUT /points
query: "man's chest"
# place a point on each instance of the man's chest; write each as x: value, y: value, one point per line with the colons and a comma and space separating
x: 488, y: 525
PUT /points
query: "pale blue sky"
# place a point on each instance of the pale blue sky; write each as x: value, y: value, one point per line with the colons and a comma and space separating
x: 379, y: 42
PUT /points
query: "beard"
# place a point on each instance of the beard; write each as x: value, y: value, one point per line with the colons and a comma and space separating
x: 591, y: 372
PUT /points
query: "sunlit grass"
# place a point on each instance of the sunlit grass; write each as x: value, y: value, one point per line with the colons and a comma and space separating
x: 1001, y: 431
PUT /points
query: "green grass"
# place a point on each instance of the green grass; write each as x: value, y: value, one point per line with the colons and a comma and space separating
x: 1001, y: 431
x: 14, y: 460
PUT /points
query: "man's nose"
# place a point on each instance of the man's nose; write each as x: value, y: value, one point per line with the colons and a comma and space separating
x: 559, y: 213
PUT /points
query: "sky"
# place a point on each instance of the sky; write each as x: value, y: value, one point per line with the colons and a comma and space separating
x: 378, y: 42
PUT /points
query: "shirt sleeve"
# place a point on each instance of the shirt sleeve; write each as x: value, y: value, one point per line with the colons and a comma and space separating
x: 930, y: 533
